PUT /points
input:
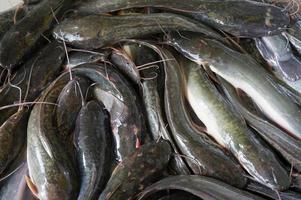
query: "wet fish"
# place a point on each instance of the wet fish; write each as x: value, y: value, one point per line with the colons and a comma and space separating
x: 240, y: 18
x: 21, y: 38
x: 241, y: 71
x: 93, y: 141
x: 96, y: 31
x: 144, y: 53
x: 79, y: 58
x: 199, y: 151
x: 32, y: 78
x: 7, y: 18
x: 229, y: 129
x: 50, y: 166
x: 12, y: 137
x: 123, y: 104
x: 137, y: 171
x: 200, y: 186
x: 267, y: 192
x: 293, y: 34
x: 126, y: 65
x: 277, y: 51
x: 286, y: 145
x: 69, y: 104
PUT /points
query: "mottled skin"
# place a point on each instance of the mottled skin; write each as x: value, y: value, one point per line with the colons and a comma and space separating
x: 93, y: 141
x: 192, y: 143
x: 142, y: 53
x: 137, y: 171
x: 268, y: 193
x: 157, y: 125
x: 240, y: 18
x: 122, y: 102
x: 96, y: 31
x: 50, y: 166
x: 287, y: 146
x: 12, y: 137
x: 227, y: 127
x: 200, y: 186
x: 69, y: 104
x: 243, y: 72
x: 23, y: 36
x: 39, y: 71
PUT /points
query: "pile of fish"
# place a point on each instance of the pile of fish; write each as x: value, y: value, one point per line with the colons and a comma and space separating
x: 156, y: 99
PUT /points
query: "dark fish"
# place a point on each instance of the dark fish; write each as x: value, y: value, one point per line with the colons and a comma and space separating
x: 123, y: 104
x: 69, y: 104
x: 50, y: 165
x: 267, y: 192
x: 240, y: 18
x: 78, y: 58
x: 22, y: 37
x: 137, y: 171
x: 7, y: 19
x: 32, y: 78
x: 93, y: 141
x: 12, y: 137
x: 126, y: 65
x: 144, y: 53
x: 200, y: 186
x: 96, y: 31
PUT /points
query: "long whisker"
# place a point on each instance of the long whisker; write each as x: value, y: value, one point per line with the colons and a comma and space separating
x: 26, y: 103
x: 67, y: 57
x: 152, y: 63
x: 14, y: 86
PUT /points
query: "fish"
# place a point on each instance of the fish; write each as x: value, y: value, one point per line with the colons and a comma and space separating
x: 267, y: 192
x: 123, y: 104
x: 199, y: 151
x: 77, y: 58
x: 200, y: 186
x: 69, y: 103
x: 240, y: 18
x: 286, y: 145
x: 243, y: 72
x: 51, y: 167
x: 93, y: 141
x: 95, y: 31
x: 12, y: 137
x: 230, y: 130
x: 32, y: 78
x: 293, y: 34
x: 22, y: 38
x: 137, y: 171
x: 277, y: 51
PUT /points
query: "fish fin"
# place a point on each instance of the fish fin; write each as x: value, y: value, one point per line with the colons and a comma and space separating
x: 46, y: 145
x: 32, y: 187
x: 290, y: 69
x: 265, y: 53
